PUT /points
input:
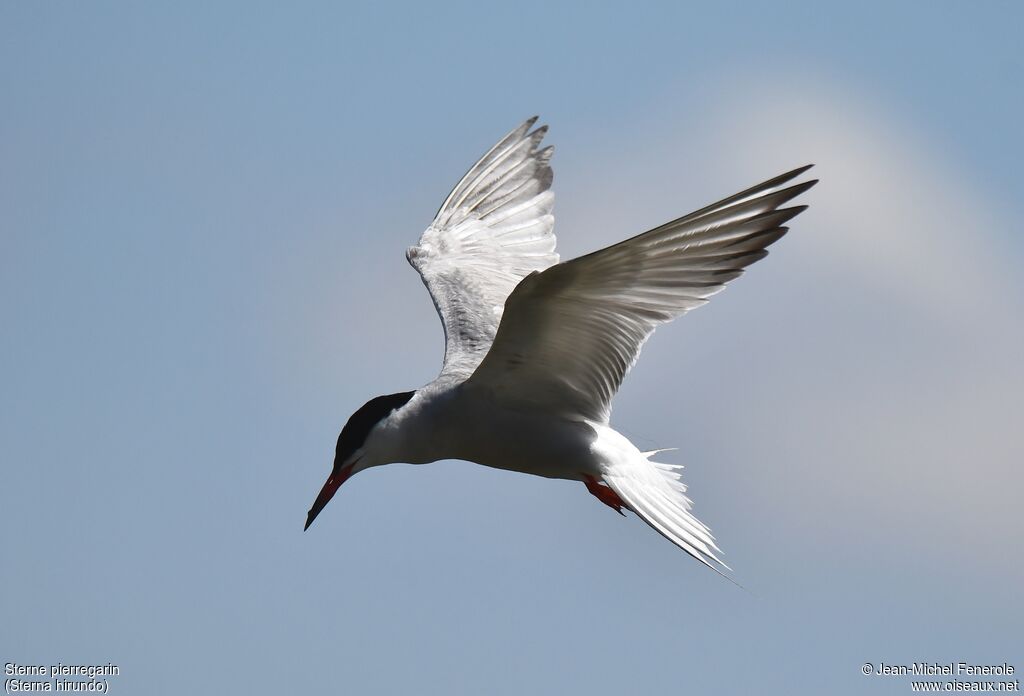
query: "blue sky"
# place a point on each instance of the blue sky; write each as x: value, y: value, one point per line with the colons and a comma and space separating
x: 203, y: 214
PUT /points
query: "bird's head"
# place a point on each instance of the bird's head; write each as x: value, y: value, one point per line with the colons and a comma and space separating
x: 351, y: 454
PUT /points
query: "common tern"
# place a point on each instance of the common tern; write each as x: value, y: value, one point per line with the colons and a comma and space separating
x: 536, y: 349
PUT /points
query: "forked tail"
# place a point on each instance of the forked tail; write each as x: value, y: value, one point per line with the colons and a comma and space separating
x: 655, y: 492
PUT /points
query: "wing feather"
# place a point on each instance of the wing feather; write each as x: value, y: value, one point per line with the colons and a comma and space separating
x: 570, y: 334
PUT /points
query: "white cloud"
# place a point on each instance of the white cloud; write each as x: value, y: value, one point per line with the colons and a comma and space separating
x: 891, y: 209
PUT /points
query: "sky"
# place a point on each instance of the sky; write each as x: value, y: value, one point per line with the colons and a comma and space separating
x: 203, y: 213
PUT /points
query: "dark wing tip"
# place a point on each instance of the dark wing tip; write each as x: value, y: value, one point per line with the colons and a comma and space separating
x: 795, y: 190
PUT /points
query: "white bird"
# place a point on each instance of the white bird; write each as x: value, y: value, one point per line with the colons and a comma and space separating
x: 536, y: 349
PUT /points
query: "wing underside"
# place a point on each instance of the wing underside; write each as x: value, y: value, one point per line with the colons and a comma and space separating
x: 495, y: 227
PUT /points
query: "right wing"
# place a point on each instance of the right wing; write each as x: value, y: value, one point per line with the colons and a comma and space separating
x: 494, y: 228
x: 570, y: 334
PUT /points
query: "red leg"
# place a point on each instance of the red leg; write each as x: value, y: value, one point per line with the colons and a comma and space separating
x: 605, y: 494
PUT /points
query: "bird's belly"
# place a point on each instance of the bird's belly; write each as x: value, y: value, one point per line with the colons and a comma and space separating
x: 526, y: 442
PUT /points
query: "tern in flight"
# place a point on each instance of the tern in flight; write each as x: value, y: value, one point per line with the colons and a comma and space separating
x: 536, y: 349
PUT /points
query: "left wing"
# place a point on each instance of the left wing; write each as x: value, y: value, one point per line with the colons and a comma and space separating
x: 494, y: 228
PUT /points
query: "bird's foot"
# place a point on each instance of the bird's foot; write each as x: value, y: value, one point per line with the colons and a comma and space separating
x: 605, y: 494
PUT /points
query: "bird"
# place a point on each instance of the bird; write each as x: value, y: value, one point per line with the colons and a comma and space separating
x: 535, y: 348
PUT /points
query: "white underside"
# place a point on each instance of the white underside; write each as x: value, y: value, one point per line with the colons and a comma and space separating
x: 459, y: 422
